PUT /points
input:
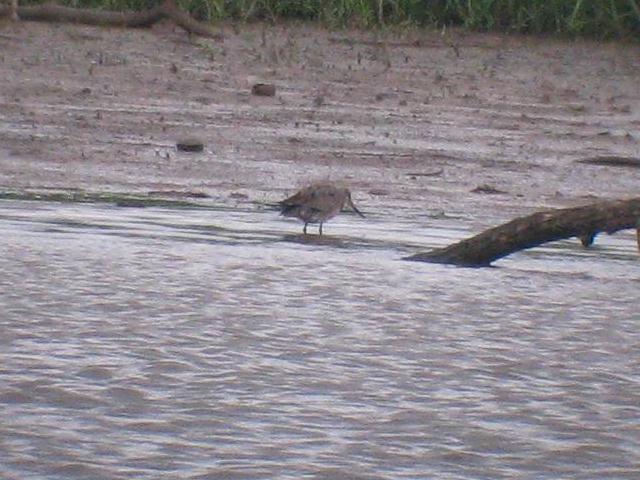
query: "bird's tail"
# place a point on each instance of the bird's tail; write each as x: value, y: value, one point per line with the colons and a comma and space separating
x: 288, y: 209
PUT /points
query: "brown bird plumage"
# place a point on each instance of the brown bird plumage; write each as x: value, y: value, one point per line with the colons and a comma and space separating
x: 317, y: 203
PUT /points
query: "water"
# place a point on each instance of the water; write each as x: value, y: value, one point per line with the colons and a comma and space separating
x: 175, y: 343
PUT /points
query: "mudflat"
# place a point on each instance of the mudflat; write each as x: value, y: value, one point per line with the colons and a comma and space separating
x: 221, y: 342
x: 482, y: 126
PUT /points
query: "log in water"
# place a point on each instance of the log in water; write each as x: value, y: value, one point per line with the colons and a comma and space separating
x: 533, y: 230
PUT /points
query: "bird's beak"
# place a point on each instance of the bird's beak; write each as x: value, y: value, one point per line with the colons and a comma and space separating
x: 354, y: 208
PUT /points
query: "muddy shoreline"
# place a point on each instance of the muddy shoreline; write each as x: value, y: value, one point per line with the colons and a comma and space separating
x: 492, y: 128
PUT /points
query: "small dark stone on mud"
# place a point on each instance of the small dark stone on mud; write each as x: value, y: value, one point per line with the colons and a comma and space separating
x: 383, y: 96
x: 238, y: 195
x: 203, y: 100
x: 197, y: 195
x: 488, y: 189
x: 85, y: 91
x: 264, y: 89
x: 190, y: 144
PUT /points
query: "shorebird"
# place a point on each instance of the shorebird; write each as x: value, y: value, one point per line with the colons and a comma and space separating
x: 317, y: 203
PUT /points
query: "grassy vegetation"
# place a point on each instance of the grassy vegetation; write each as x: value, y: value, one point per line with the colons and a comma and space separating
x: 597, y: 18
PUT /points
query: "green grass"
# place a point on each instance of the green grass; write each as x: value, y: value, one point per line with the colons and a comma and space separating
x: 594, y: 18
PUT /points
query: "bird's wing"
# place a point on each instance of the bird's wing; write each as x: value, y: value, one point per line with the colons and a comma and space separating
x: 315, y: 197
x: 296, y: 199
x: 308, y: 197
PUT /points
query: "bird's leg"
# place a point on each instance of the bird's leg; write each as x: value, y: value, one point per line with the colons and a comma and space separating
x: 320, y: 228
x: 304, y: 229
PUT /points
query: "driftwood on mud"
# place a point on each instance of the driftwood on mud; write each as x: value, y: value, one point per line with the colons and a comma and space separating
x: 612, y: 161
x: 50, y: 12
x: 533, y: 230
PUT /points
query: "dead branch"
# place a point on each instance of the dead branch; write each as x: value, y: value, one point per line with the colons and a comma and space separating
x: 50, y: 12
x: 541, y: 227
x: 612, y: 161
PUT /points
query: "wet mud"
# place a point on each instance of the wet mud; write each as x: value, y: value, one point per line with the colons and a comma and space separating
x: 430, y: 124
x: 196, y: 334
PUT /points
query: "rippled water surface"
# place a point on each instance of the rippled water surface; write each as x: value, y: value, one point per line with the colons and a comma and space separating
x: 176, y: 343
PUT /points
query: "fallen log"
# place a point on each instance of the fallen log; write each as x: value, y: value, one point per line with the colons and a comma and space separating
x: 611, y: 161
x: 50, y: 12
x: 533, y: 230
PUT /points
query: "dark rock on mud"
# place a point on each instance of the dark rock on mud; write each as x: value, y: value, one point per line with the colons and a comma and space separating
x: 488, y: 189
x: 238, y: 196
x: 190, y: 144
x: 264, y: 89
